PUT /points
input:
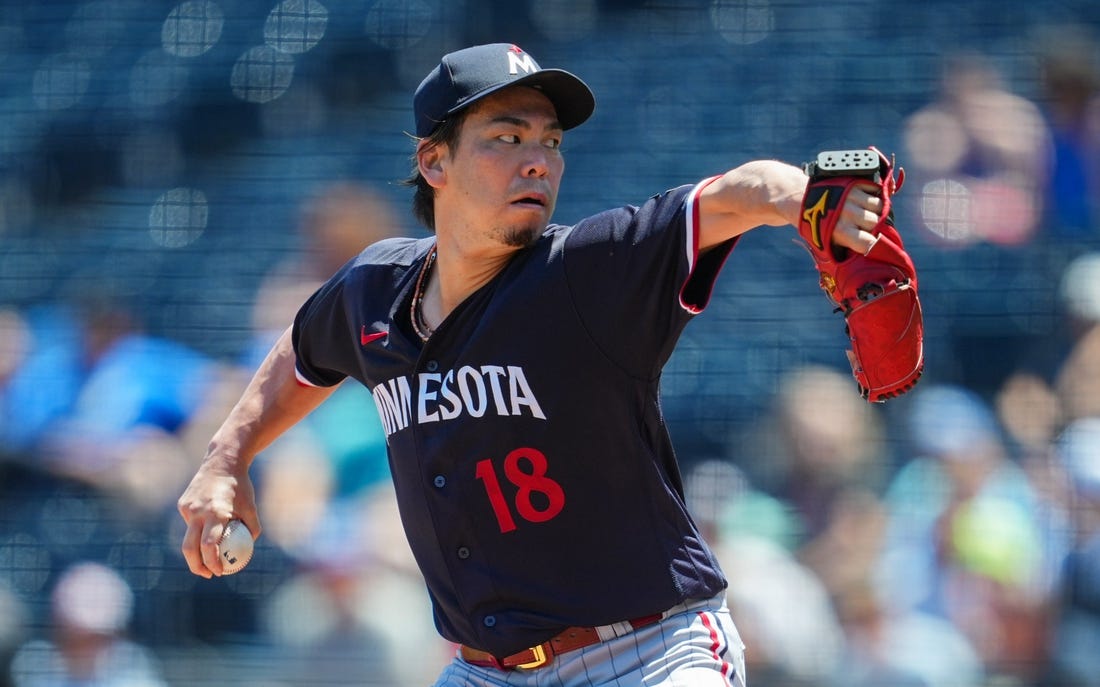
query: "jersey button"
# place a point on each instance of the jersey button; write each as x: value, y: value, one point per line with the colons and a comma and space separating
x: 432, y: 366
x: 490, y: 620
x: 463, y: 552
x: 440, y: 481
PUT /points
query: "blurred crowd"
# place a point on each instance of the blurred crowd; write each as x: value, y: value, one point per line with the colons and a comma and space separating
x: 948, y: 539
x: 102, y: 425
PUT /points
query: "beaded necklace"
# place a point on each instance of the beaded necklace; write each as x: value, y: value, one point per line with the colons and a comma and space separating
x: 415, y: 310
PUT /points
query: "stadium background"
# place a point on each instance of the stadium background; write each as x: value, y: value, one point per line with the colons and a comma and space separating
x: 155, y: 161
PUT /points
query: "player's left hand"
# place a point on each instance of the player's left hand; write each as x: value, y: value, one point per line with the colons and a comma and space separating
x: 847, y: 223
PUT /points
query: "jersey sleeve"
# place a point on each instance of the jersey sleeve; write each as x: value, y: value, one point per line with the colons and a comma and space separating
x: 637, y: 275
x: 322, y: 337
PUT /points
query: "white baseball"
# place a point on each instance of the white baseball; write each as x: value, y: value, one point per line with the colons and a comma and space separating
x: 235, y: 547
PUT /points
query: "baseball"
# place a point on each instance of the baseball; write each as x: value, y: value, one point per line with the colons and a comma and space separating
x: 235, y: 547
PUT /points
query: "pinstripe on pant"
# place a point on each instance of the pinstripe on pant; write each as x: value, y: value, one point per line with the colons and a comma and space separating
x: 695, y: 645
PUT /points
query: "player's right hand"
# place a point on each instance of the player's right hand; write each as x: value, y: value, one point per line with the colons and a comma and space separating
x: 220, y: 491
x: 861, y: 213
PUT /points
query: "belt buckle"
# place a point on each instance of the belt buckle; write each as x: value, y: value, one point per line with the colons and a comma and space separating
x: 541, y: 659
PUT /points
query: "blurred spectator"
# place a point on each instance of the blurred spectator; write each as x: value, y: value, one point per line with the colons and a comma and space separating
x: 356, y: 612
x: 829, y: 442
x: 846, y: 553
x: 783, y: 614
x: 89, y: 396
x: 887, y: 645
x: 818, y: 437
x: 1067, y: 56
x: 298, y: 494
x: 977, y: 158
x: 335, y: 225
x: 1079, y: 374
x: 869, y: 661
x: 133, y: 393
x: 1075, y: 652
x: 825, y: 457
x: 1030, y: 412
x: 1079, y: 293
x: 43, y: 371
x: 314, y: 618
x: 91, y: 608
x: 1055, y: 379
x: 821, y: 455
x: 394, y: 604
x: 796, y: 635
x: 966, y: 540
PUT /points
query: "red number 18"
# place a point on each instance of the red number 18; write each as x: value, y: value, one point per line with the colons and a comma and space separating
x: 527, y: 483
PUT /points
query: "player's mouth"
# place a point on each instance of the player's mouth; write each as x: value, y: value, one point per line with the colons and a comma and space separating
x: 531, y: 200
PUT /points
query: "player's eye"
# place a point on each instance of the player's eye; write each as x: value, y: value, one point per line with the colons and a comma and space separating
x: 554, y: 143
x: 508, y: 138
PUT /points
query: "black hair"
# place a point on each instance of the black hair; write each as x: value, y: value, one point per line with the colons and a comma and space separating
x: 423, y: 202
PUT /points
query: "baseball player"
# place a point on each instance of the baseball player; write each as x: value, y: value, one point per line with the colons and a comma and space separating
x: 515, y: 365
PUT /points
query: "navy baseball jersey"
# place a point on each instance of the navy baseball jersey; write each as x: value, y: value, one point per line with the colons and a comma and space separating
x: 534, y: 473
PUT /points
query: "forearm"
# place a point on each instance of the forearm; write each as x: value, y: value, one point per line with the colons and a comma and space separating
x: 221, y: 488
x: 271, y: 404
x: 762, y: 192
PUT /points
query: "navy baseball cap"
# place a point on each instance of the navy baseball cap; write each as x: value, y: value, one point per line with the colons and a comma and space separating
x: 465, y: 76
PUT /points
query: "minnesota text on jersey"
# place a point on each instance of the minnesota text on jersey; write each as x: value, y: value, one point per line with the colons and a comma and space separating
x: 469, y: 390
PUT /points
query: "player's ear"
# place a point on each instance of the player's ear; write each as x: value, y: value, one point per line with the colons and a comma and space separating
x: 429, y: 162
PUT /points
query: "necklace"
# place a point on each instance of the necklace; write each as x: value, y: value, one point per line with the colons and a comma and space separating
x: 415, y: 310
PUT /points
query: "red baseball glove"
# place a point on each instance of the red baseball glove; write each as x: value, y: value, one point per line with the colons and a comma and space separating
x: 876, y: 292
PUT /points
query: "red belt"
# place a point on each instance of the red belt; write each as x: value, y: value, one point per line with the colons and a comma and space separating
x: 571, y: 639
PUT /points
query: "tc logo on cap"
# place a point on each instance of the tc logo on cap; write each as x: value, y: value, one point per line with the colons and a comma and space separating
x: 465, y: 76
x: 520, y: 61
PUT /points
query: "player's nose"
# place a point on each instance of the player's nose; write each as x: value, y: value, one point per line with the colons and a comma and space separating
x: 534, y: 168
x: 538, y: 162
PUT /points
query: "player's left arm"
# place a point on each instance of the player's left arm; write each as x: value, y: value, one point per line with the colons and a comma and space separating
x: 769, y: 193
x: 842, y: 200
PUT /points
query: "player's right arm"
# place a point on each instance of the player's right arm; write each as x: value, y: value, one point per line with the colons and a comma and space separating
x: 221, y: 488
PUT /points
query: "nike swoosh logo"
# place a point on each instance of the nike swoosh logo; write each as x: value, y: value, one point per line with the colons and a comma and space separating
x: 365, y: 338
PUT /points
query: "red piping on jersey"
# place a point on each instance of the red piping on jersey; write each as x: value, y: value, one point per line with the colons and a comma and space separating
x: 716, y: 645
x: 691, y: 220
x: 302, y: 381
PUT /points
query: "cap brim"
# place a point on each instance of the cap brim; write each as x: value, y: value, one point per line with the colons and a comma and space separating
x: 572, y: 98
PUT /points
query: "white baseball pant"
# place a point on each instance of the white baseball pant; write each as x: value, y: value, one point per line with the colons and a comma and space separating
x: 695, y: 645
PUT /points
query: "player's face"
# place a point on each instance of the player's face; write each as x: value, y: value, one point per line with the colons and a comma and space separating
x: 507, y: 167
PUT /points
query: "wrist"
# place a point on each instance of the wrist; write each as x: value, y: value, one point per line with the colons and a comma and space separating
x: 789, y: 206
x: 225, y: 457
